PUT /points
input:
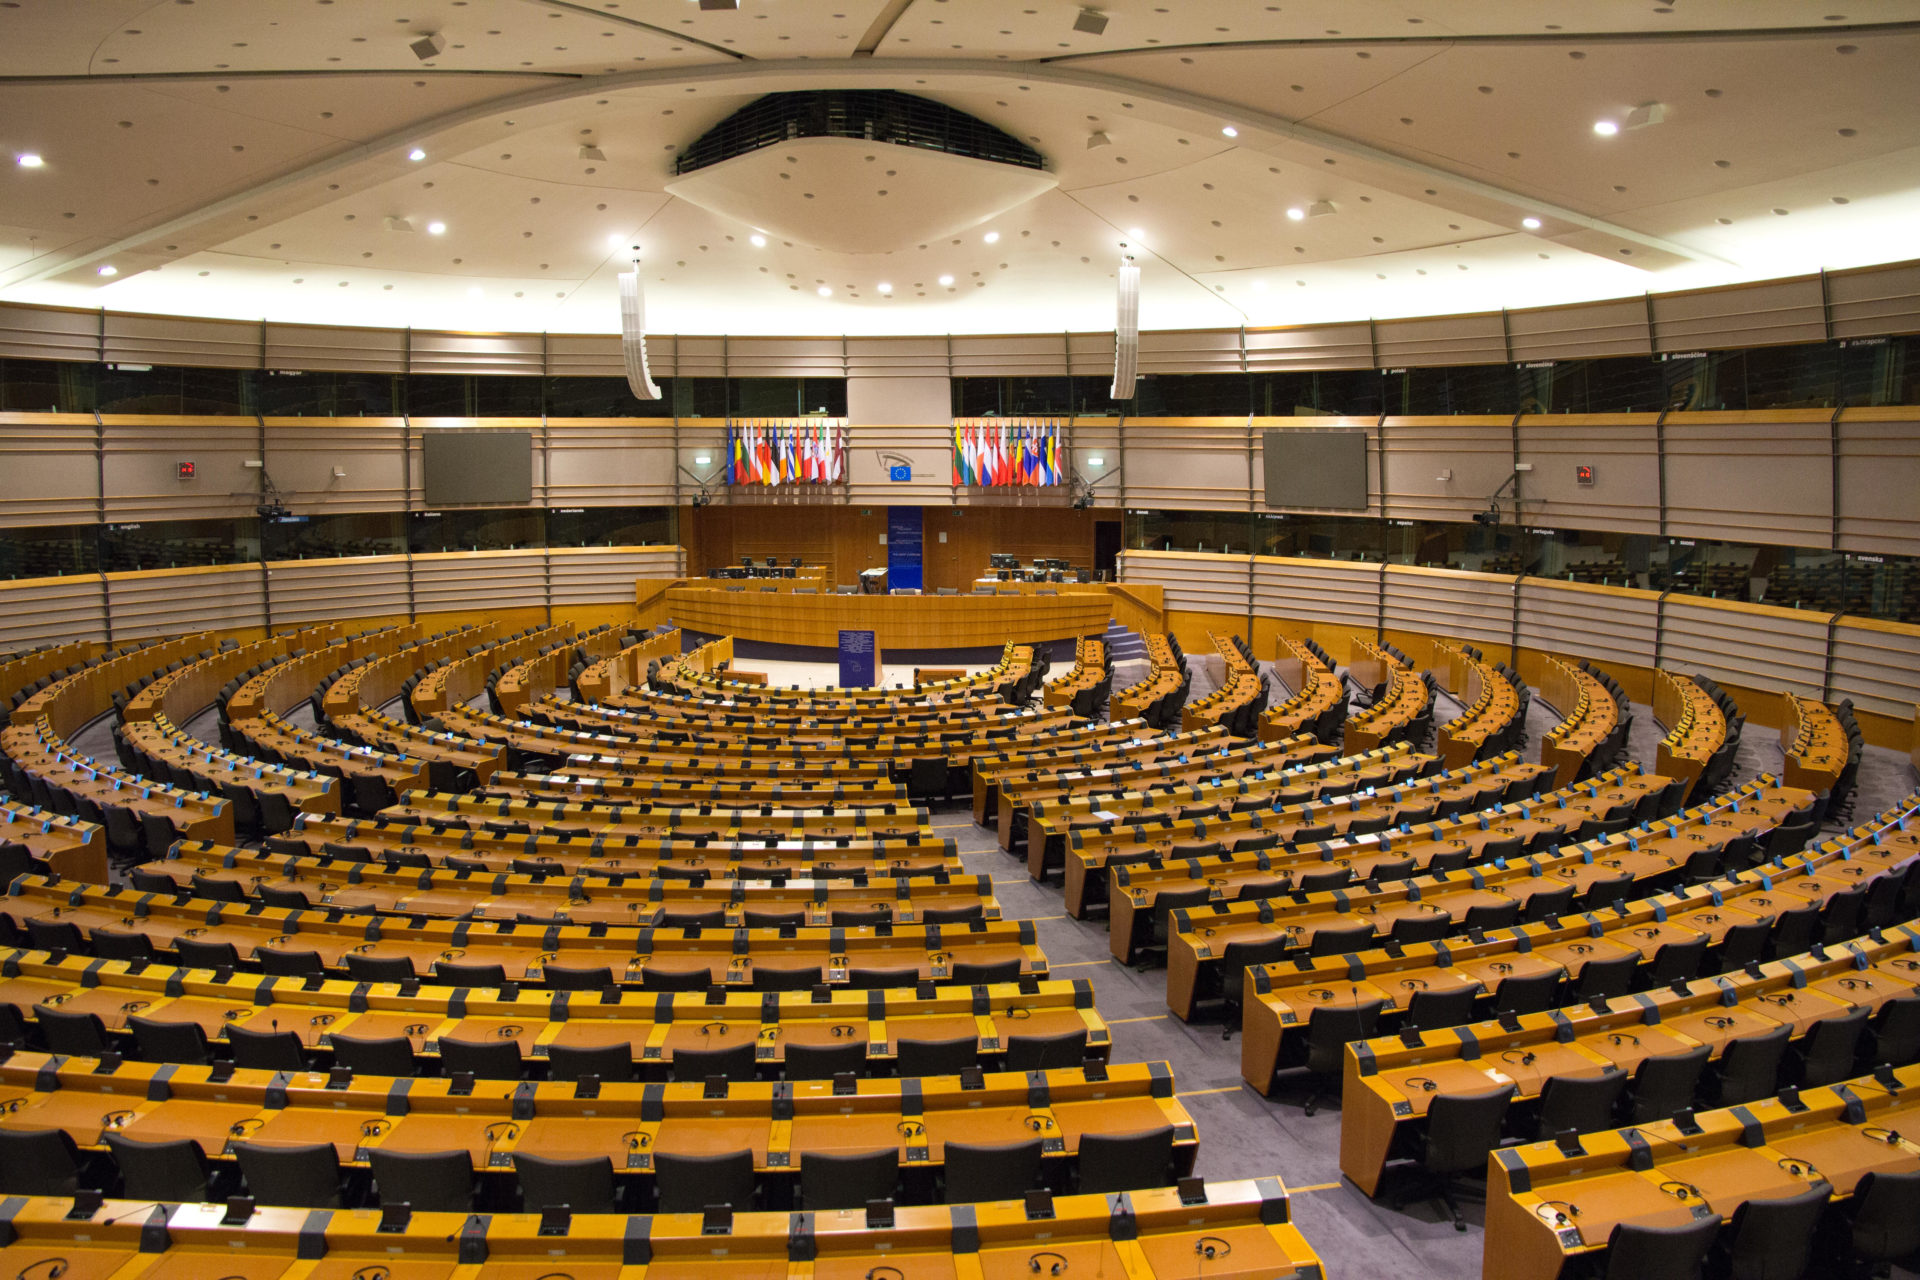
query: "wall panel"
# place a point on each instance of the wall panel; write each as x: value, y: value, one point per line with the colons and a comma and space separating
x: 873, y: 451
x: 51, y: 473
x: 1875, y: 300
x: 183, y: 340
x: 1586, y: 330
x: 1306, y: 348
x: 1749, y: 645
x: 599, y: 355
x: 431, y: 351
x: 1336, y: 592
x: 1030, y: 355
x: 1192, y: 464
x: 1440, y: 340
x: 49, y: 333
x: 308, y: 592
x: 479, y: 581
x: 1191, y: 351
x: 1750, y: 477
x: 37, y: 611
x: 330, y: 348
x: 1879, y: 481
x: 1415, y: 453
x: 1755, y: 315
x: 141, y: 467
x: 1194, y: 582
x: 786, y: 358
x: 302, y: 454
x: 1624, y: 453
x: 610, y: 462
x: 167, y: 602
x: 1877, y: 665
x: 605, y: 575
x: 1608, y: 625
x: 1462, y: 606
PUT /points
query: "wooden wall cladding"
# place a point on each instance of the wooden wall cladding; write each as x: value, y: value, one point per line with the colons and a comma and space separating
x: 1624, y: 453
x: 479, y: 581
x: 1442, y: 468
x: 1194, y: 582
x: 1434, y: 341
x: 1602, y: 624
x: 1754, y: 315
x: 1462, y: 606
x: 303, y: 453
x: 1334, y: 592
x: 168, y: 602
x: 1754, y: 646
x: 52, y: 475
x: 1583, y: 331
x: 1878, y: 461
x: 1875, y: 300
x: 1751, y: 477
x: 1192, y: 464
x: 1877, y: 664
x: 605, y: 575
x: 140, y: 467
x: 41, y: 611
x: 308, y: 592
x: 610, y: 462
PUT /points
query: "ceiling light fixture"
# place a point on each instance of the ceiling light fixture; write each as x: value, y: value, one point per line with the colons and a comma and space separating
x: 109, y: 270
x: 28, y: 160
x: 884, y: 287
x: 1230, y: 131
x: 1090, y: 22
x: 719, y: 6
x: 824, y: 291
x: 1531, y: 224
x: 1320, y: 209
x: 396, y: 223
x: 416, y: 154
x: 946, y: 282
x: 1097, y: 140
x: 992, y: 237
x: 1295, y: 215
x: 758, y: 242
x: 436, y: 228
x: 1647, y: 113
x: 1605, y: 128
x: 474, y: 291
x: 590, y: 152
x: 1136, y: 233
x: 616, y: 239
x: 431, y: 45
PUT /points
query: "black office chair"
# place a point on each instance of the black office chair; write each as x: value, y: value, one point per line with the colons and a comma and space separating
x: 1429, y: 926
x: 40, y: 1162
x: 1534, y: 993
x: 1896, y: 1032
x: 935, y: 1057
x: 1664, y: 1085
x: 1325, y: 881
x: 1235, y: 960
x: 570, y: 978
x: 691, y: 920
x: 735, y: 1063
x: 928, y: 779
x: 609, y: 1063
x: 1330, y: 1029
x: 688, y: 1184
x: 1492, y: 915
x: 991, y: 1171
x: 1111, y: 1162
x: 429, y: 1181
x: 652, y: 979
x: 882, y: 979
x: 469, y: 975
x: 584, y: 1186
x: 217, y: 889
x: 831, y: 1180
x: 767, y: 978
x: 1583, y: 1104
x: 979, y: 974
x: 1771, y: 1239
x: 1607, y: 890
x: 266, y: 1050
x: 196, y: 953
x: 72, y: 1033
x: 305, y: 1177
x: 157, y: 1040
x: 1795, y: 931
x: 1340, y: 942
x: 1605, y: 979
x: 375, y: 1055
x: 365, y: 968
x: 176, y: 1171
x: 1749, y: 1068
x: 1434, y: 1010
x: 954, y: 915
x: 288, y: 963
x: 1045, y: 1053
x: 1548, y: 904
x: 1742, y: 945
x: 1882, y: 1219
x: 1461, y: 1129
x: 774, y: 919
x: 1825, y: 1055
x: 112, y: 944
x: 1635, y: 1252
x: 825, y: 1061
x: 284, y: 899
x: 482, y: 1059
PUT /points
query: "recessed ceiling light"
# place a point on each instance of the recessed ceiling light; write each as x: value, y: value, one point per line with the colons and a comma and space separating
x: 1531, y: 224
x: 1260, y: 285
x: 1296, y: 215
x: 615, y: 239
x: 758, y: 242
x: 475, y: 291
x: 884, y: 287
x: 1605, y: 128
x: 824, y: 291
x: 109, y: 270
x: 436, y: 228
x: 1136, y: 233
x: 28, y: 160
x: 946, y: 281
x: 416, y: 154
x: 1230, y: 131
x: 992, y: 237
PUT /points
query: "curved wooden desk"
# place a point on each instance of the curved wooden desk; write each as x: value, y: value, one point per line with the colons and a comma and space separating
x: 898, y: 622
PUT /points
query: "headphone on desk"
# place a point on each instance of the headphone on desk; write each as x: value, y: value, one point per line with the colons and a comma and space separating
x: 1054, y: 1268
x: 1212, y: 1247
x: 884, y: 1273
x: 54, y: 1269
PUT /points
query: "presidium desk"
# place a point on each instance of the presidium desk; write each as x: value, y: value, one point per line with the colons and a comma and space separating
x: 898, y: 622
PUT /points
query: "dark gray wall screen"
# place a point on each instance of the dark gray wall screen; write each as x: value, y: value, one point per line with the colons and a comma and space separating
x: 1316, y: 469
x: 464, y: 467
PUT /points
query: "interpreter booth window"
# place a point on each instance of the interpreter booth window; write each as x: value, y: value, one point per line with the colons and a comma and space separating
x: 289, y: 394
x: 495, y: 529
x: 317, y: 537
x: 610, y: 526
x: 1318, y: 537
x: 439, y: 395
x: 1220, y: 532
x: 177, y: 544
x: 1192, y: 395
x: 604, y: 398
x: 1470, y: 389
x: 1603, y: 559
x: 786, y: 397
x: 46, y: 386
x: 55, y: 551
x: 139, y: 388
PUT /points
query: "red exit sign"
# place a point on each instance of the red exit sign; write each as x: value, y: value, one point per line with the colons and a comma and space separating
x: 1583, y: 474
x: 185, y: 470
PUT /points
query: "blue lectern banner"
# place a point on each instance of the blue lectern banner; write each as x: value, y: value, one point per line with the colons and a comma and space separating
x: 859, y: 660
x: 904, y: 548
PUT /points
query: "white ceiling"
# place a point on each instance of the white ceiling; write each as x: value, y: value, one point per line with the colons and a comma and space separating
x: 244, y: 158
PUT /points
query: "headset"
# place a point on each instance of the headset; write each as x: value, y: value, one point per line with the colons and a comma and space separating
x: 1212, y: 1248
x: 1058, y: 1265
x: 885, y: 1273
x: 44, y: 1269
